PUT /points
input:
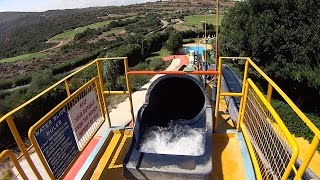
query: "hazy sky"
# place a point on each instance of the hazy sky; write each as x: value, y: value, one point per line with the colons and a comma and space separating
x: 43, y: 5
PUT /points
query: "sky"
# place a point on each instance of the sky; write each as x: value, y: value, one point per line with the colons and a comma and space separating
x: 43, y: 5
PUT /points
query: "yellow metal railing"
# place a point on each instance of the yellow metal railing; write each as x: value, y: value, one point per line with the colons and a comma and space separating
x: 98, y: 79
x: 272, y: 148
x: 257, y: 120
x: 9, y: 154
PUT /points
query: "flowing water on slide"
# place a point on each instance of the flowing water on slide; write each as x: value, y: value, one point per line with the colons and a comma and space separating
x: 175, y: 139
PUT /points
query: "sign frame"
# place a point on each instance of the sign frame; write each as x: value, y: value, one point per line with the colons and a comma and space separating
x: 95, y: 82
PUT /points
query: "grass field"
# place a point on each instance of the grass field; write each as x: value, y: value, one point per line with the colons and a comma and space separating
x: 159, y: 54
x: 23, y: 57
x: 197, y: 20
x: 71, y: 33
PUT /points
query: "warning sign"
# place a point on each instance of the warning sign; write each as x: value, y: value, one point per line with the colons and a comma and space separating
x: 84, y: 114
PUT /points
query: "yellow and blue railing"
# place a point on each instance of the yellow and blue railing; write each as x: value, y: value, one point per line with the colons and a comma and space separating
x: 273, y: 149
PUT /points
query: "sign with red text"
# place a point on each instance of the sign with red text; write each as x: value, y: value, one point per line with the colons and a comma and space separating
x: 84, y: 114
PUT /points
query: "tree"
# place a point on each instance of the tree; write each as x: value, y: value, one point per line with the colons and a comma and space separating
x: 209, y: 26
x: 282, y: 37
x: 174, y: 42
x: 41, y: 80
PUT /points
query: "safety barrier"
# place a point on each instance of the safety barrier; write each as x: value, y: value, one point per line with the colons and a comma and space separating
x: 272, y: 148
x: 257, y: 119
x: 9, y: 154
x: 60, y: 126
x: 88, y: 81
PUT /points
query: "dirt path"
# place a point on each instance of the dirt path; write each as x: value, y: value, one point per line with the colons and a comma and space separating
x: 180, y: 21
x: 60, y: 44
x: 165, y: 24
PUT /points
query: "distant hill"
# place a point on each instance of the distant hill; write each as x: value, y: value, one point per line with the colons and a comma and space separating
x: 24, y: 32
x: 12, y: 20
x: 28, y: 32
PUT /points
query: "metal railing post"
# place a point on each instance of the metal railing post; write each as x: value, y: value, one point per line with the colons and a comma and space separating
x: 100, y: 94
x: 66, y: 85
x: 99, y: 67
x: 244, y: 82
x: 243, y: 108
x: 126, y: 68
x: 269, y: 92
x: 15, y: 162
x: 23, y: 149
x: 308, y: 157
x: 218, y: 93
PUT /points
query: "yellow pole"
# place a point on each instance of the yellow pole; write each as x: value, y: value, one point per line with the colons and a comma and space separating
x: 205, y: 37
x: 230, y: 94
x: 99, y: 67
x: 100, y: 94
x: 126, y: 68
x: 243, y: 107
x: 308, y: 157
x: 217, y: 32
x: 9, y: 153
x: 269, y: 93
x: 218, y: 94
x: 23, y: 149
x: 66, y: 85
x: 245, y: 76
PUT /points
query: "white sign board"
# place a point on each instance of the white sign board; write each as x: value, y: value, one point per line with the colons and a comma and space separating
x: 84, y: 114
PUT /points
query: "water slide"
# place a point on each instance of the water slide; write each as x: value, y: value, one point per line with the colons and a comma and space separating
x: 230, y: 83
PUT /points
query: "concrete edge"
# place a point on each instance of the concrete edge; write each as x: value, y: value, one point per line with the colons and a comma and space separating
x: 94, y: 155
x: 248, y: 167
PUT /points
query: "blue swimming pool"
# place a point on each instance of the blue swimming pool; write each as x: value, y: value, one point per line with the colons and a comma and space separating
x: 196, y: 49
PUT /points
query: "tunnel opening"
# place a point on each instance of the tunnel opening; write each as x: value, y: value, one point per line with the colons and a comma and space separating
x: 177, y: 98
x: 173, y: 128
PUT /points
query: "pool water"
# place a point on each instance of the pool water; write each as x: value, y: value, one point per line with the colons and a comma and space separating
x: 196, y: 49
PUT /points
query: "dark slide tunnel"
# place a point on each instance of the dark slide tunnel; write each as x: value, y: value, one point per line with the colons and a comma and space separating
x: 175, y: 98
x: 176, y: 114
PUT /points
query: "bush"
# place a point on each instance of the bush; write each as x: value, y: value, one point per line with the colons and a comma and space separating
x: 111, y: 70
x: 293, y: 122
x: 156, y: 64
x: 188, y: 41
x: 138, y: 81
x: 24, y: 80
x: 68, y: 66
x: 6, y: 84
x: 41, y: 79
x: 140, y: 66
x: 174, y: 42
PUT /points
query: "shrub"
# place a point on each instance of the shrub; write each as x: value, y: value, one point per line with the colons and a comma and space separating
x: 138, y: 81
x: 6, y: 84
x: 174, y: 42
x: 293, y: 122
x: 188, y: 41
x: 140, y: 66
x: 156, y: 64
x: 20, y: 81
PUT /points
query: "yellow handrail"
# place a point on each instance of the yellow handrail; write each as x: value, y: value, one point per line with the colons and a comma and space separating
x: 271, y: 85
x: 101, y: 95
x: 247, y: 83
x: 7, y: 153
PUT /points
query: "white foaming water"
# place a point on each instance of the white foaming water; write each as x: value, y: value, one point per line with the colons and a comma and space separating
x: 176, y: 139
